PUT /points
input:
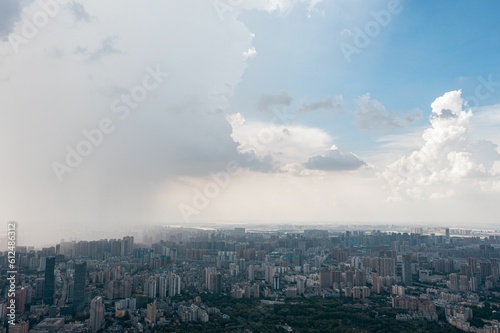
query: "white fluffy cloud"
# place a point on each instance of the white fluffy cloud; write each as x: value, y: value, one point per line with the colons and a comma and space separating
x: 448, y: 160
x: 284, y: 143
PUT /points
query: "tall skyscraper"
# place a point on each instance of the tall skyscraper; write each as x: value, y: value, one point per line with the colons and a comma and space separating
x: 96, y: 314
x: 407, y: 278
x: 79, y: 285
x: 49, y: 284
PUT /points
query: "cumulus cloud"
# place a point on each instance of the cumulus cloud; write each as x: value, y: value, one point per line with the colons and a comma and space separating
x: 372, y: 115
x: 334, y: 160
x: 448, y: 158
x: 326, y: 104
x: 269, y: 101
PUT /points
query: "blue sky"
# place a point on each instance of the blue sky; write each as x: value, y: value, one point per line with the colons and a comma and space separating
x: 381, y: 136
x: 427, y: 49
x: 428, y: 46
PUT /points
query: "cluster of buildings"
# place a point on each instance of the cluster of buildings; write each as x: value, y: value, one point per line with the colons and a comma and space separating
x: 125, y: 285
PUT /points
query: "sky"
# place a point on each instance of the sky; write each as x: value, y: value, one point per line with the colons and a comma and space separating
x: 121, y: 114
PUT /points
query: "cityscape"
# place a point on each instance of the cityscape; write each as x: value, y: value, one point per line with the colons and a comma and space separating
x: 233, y: 279
x: 249, y: 166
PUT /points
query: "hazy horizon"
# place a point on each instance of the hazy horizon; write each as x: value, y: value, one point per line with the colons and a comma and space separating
x: 139, y: 230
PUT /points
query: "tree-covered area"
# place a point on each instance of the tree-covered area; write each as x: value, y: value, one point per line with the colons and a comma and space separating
x: 306, y: 315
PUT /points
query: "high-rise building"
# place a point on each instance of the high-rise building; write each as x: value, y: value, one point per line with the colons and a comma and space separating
x: 301, y: 284
x: 453, y: 282
x: 127, y: 245
x: 116, y: 247
x: 325, y: 280
x: 96, y: 314
x: 276, y: 282
x: 79, y: 285
x: 376, y: 283
x: 485, y: 269
x: 495, y: 269
x: 49, y: 283
x: 38, y: 291
x: 269, y: 273
x: 256, y: 290
x: 127, y: 286
x: 215, y: 283
x: 152, y: 287
x: 387, y: 267
x: 473, y: 284
x: 251, y: 273
x: 20, y: 300
x: 348, y: 278
x: 396, y: 246
x: 473, y: 264
x: 246, y: 291
x: 208, y: 272
x: 359, y: 278
x: 163, y: 287
x: 464, y: 283
x: 174, y: 285
x: 151, y: 313
x: 406, y: 271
